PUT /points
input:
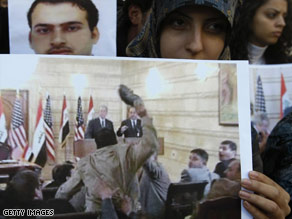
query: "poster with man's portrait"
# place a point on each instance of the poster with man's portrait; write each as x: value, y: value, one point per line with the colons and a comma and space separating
x: 63, y: 28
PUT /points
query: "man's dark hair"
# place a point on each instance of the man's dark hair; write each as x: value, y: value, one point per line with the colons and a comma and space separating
x: 61, y: 171
x: 202, y: 153
x: 231, y: 144
x: 22, y: 186
x: 105, y: 137
x: 87, y: 5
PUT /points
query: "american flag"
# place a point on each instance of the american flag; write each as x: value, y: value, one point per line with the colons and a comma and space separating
x: 50, y: 144
x: 17, y: 136
x: 79, y: 125
x: 260, y: 104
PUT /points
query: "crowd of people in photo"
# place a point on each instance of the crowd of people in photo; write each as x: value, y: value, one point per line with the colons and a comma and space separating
x: 121, y: 180
x: 124, y: 179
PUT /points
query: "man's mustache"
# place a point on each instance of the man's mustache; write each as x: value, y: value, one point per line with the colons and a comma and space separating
x: 59, y: 50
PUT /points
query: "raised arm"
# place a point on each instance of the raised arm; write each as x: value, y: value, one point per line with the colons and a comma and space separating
x: 138, y: 153
x: 153, y: 169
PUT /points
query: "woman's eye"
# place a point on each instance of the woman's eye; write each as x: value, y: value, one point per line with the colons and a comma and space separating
x: 216, y: 27
x: 271, y: 15
x: 176, y: 22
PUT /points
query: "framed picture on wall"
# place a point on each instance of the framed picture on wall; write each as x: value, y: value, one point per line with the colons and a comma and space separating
x: 228, y: 110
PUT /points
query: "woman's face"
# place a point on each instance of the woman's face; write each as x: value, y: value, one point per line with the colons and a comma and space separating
x: 268, y: 23
x: 195, y: 32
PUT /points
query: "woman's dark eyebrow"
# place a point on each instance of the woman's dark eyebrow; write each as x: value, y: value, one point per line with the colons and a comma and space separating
x: 276, y: 10
x: 220, y: 19
x: 181, y: 14
x: 215, y: 17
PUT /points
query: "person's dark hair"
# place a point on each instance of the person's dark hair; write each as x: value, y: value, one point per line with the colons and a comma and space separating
x: 275, y: 54
x: 60, y: 206
x: 105, y: 137
x: 231, y: 144
x: 202, y: 153
x: 87, y: 5
x: 21, y: 187
x: 69, y: 162
x: 61, y: 171
x: 144, y: 5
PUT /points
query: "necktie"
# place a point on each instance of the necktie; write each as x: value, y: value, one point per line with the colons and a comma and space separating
x: 103, y: 123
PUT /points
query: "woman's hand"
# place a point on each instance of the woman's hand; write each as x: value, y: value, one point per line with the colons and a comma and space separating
x: 269, y: 200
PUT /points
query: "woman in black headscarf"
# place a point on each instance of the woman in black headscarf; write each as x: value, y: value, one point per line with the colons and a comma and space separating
x: 201, y: 29
x: 186, y: 29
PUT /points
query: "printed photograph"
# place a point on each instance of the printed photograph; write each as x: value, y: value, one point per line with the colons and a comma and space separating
x: 143, y: 135
x: 63, y: 27
x: 271, y: 104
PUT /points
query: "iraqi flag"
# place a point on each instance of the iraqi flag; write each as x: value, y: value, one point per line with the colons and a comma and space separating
x: 90, y: 114
x: 64, y: 126
x: 37, y: 153
x: 285, y: 100
x: 3, y: 131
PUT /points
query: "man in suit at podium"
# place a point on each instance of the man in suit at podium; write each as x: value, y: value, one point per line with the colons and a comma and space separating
x: 131, y: 127
x: 96, y: 124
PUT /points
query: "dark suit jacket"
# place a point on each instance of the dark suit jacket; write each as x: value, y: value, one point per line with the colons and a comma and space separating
x: 131, y: 132
x: 94, y: 126
x: 222, y: 166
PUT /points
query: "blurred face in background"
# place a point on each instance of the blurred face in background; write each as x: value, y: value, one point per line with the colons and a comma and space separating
x: 3, y: 3
x: 225, y: 153
x: 233, y: 170
x: 102, y: 112
x: 268, y: 23
x: 132, y: 113
x: 263, y: 126
x: 195, y: 161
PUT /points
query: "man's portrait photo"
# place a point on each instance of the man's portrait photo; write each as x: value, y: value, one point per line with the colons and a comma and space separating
x: 63, y: 27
